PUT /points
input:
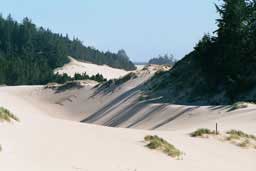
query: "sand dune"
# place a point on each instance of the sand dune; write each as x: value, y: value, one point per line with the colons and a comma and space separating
x: 40, y: 142
x: 49, y: 136
x: 75, y: 66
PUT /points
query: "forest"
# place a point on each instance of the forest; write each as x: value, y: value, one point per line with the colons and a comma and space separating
x: 228, y: 58
x: 29, y: 54
x: 221, y: 69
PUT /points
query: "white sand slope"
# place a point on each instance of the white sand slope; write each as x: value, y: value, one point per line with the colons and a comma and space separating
x: 42, y: 143
x: 49, y: 136
x: 75, y: 66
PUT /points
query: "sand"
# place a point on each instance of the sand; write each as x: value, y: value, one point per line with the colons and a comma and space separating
x: 50, y: 137
x: 75, y: 66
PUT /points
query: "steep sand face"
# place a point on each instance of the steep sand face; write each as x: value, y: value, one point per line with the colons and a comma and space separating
x: 123, y: 105
x: 75, y: 66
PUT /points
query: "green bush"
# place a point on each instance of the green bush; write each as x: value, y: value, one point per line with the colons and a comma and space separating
x: 201, y: 132
x: 125, y: 78
x: 6, y: 115
x: 241, y: 134
x: 238, y: 105
x: 157, y: 143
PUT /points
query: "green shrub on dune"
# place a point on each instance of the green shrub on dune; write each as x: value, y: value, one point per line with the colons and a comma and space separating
x: 201, y: 132
x: 157, y: 143
x: 240, y: 134
x: 6, y: 115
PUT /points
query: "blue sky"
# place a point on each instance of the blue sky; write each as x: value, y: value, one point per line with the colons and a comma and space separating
x: 144, y: 28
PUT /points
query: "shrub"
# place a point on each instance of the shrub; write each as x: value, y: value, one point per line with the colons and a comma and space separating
x: 6, y: 115
x: 69, y: 85
x: 158, y: 143
x: 238, y: 105
x: 245, y: 143
x: 201, y: 132
x: 241, y: 134
x: 238, y: 133
x: 233, y: 137
x: 241, y: 138
x: 125, y: 78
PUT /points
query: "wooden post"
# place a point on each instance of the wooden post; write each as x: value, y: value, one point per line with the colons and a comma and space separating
x: 216, y: 131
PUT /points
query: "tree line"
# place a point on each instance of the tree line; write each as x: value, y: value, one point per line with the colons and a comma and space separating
x: 228, y: 57
x: 163, y: 60
x: 29, y: 54
x: 63, y: 78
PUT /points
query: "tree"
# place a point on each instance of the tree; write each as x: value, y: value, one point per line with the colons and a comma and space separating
x: 29, y: 55
x: 228, y: 59
x: 163, y: 60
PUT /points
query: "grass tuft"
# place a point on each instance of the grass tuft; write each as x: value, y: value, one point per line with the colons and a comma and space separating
x: 6, y: 115
x: 157, y: 143
x: 244, y: 143
x: 241, y: 134
x: 241, y: 138
x: 201, y: 132
x: 238, y: 105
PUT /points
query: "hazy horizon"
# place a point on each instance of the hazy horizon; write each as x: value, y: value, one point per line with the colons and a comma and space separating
x: 144, y: 29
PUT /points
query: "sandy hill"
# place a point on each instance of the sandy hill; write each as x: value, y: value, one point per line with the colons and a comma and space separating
x: 50, y: 135
x: 75, y: 66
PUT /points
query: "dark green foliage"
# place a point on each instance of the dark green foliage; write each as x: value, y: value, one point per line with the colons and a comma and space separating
x: 61, y: 79
x: 221, y: 69
x: 120, y: 81
x: 77, y: 50
x: 229, y: 58
x: 126, y: 78
x: 28, y: 54
x: 68, y: 86
x: 163, y: 60
x: 238, y: 105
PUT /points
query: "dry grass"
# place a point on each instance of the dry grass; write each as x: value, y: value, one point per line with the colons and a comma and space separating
x: 236, y: 137
x: 241, y: 134
x: 7, y: 116
x: 244, y: 143
x: 241, y: 139
x: 202, y: 132
x: 157, y: 143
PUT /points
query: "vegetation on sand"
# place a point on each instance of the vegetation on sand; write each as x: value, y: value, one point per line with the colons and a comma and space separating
x: 222, y: 64
x: 6, y: 115
x: 202, y: 132
x: 238, y: 105
x: 61, y: 79
x: 157, y: 143
x: 240, y: 134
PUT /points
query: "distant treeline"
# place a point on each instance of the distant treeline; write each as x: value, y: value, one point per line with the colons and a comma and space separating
x: 62, y: 78
x: 28, y: 54
x: 163, y: 60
